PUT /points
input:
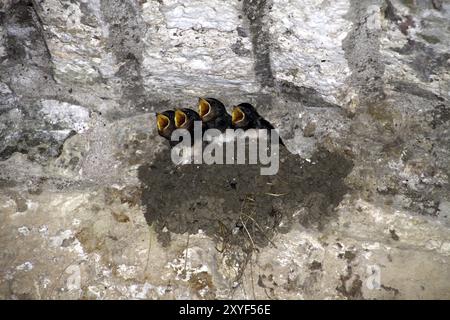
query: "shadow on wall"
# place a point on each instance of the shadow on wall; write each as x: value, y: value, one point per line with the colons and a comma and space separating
x: 234, y: 204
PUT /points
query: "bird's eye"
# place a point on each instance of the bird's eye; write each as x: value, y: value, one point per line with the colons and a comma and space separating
x: 203, y: 107
x: 180, y: 118
x: 237, y: 115
x: 162, y: 122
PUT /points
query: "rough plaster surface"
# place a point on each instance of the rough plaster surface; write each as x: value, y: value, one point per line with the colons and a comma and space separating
x: 359, y: 90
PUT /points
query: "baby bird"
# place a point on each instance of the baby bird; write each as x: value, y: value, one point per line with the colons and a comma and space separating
x: 244, y: 116
x: 165, y: 122
x: 213, y: 114
x: 185, y: 118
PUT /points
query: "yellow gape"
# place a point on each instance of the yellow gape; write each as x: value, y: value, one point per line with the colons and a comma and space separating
x: 237, y: 115
x: 203, y: 107
x: 180, y: 118
x: 162, y: 121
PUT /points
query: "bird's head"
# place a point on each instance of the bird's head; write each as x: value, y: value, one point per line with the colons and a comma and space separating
x: 209, y: 109
x: 204, y: 109
x: 243, y: 114
x: 184, y: 118
x: 165, y: 123
x: 181, y: 118
x: 162, y: 121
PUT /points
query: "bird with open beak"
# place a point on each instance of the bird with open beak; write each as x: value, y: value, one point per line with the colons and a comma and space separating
x: 244, y: 116
x: 165, y: 122
x: 213, y: 114
x: 185, y: 119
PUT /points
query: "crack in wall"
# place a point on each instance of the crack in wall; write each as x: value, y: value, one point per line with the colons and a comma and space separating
x: 125, y: 24
x: 255, y: 11
x: 40, y: 26
x: 307, y: 96
x: 361, y: 48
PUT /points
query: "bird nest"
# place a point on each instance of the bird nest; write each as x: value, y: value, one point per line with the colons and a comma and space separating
x: 236, y: 205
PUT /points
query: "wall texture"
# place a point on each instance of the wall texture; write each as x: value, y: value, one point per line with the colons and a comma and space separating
x: 359, y: 90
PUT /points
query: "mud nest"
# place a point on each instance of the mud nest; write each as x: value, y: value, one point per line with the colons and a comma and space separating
x: 235, y: 204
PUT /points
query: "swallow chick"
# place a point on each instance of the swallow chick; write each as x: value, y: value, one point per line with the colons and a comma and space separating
x: 185, y: 118
x: 213, y: 114
x: 165, y: 122
x: 244, y: 116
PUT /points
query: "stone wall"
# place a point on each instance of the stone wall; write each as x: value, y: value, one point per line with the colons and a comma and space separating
x: 358, y: 89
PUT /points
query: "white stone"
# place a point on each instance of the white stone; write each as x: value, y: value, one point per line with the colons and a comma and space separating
x: 68, y: 115
x: 304, y: 33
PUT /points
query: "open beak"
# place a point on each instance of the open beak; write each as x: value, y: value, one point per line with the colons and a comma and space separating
x: 203, y: 107
x: 162, y: 121
x: 237, y: 115
x: 180, y: 118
